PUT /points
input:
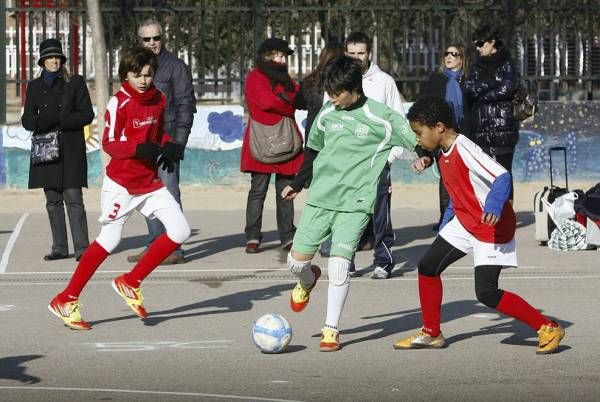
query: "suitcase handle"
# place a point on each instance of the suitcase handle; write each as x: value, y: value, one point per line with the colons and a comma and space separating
x: 564, y: 150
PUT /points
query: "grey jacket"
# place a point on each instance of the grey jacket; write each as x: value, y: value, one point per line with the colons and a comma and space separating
x: 174, y: 79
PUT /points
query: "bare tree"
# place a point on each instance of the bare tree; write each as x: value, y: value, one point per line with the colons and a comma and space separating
x: 101, y: 81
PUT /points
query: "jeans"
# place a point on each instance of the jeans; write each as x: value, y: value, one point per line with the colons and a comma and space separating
x: 383, y: 233
x: 171, y: 182
x: 254, y: 208
x: 72, y: 198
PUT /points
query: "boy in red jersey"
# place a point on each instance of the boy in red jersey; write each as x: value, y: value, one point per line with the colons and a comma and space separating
x: 133, y: 137
x: 479, y: 220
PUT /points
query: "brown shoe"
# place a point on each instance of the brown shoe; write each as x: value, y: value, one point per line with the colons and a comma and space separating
x: 173, y: 258
x: 252, y: 248
x: 136, y: 257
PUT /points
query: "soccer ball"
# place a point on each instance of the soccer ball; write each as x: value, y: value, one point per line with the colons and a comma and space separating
x: 271, y: 333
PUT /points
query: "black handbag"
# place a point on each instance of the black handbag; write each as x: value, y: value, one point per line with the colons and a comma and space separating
x: 45, y: 148
x: 524, y: 102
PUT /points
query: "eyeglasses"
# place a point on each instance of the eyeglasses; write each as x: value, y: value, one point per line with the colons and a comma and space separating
x: 156, y: 38
x: 479, y: 43
x: 453, y: 54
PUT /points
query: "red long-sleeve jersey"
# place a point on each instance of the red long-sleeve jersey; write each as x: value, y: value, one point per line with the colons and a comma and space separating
x: 133, y: 118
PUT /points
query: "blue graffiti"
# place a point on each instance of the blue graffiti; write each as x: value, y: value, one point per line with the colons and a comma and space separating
x: 226, y: 125
x: 537, y: 158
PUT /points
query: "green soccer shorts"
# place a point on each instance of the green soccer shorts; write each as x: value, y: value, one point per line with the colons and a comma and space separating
x: 316, y: 224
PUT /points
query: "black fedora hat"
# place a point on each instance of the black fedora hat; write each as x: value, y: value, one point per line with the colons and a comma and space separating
x: 51, y: 47
x: 276, y: 44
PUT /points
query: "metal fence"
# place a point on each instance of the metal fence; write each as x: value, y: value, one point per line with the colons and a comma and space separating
x: 556, y: 43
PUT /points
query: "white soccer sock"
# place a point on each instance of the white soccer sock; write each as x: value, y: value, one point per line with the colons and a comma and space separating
x: 302, y: 270
x: 339, y: 283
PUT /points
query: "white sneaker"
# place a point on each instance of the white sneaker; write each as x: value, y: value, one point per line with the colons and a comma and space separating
x: 380, y: 273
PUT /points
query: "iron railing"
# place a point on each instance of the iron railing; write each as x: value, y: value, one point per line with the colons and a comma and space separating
x: 556, y: 43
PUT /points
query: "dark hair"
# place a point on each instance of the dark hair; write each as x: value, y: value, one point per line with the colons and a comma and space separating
x: 328, y: 53
x: 358, y: 37
x: 487, y: 32
x: 343, y: 73
x: 430, y: 110
x: 135, y: 59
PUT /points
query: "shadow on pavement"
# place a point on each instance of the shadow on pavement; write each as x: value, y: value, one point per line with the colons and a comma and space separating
x: 11, y: 368
x: 214, y: 245
x: 410, y: 320
x: 241, y: 301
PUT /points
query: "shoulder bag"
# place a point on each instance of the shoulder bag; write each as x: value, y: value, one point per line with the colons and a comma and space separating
x: 45, y: 148
x: 276, y: 143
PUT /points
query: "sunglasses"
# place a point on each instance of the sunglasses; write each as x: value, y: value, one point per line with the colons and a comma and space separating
x: 149, y: 38
x: 479, y: 43
x: 453, y: 54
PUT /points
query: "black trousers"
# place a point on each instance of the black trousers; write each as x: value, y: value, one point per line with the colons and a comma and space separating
x: 254, y: 207
x: 72, y: 198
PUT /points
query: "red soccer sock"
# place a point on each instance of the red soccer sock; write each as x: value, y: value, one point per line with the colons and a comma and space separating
x: 89, y: 262
x: 430, y: 294
x: 514, y: 306
x: 157, y: 252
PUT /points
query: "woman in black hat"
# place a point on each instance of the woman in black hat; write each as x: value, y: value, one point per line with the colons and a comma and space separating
x: 57, y: 101
x: 270, y: 94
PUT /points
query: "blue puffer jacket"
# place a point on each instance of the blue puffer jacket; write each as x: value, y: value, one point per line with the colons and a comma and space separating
x: 489, y: 89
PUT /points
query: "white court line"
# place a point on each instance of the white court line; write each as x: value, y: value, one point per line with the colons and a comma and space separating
x: 133, y: 391
x: 11, y: 242
x: 292, y: 280
x: 191, y: 271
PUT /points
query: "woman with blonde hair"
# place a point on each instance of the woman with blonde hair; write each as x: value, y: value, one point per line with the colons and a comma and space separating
x: 446, y: 83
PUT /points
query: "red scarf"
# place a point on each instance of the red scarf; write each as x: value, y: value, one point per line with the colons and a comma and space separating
x: 152, y: 95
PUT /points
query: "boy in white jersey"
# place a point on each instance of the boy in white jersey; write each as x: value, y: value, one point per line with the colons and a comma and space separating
x: 348, y: 146
x: 479, y: 220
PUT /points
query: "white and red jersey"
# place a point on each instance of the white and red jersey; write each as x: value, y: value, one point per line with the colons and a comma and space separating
x: 133, y: 118
x: 468, y: 174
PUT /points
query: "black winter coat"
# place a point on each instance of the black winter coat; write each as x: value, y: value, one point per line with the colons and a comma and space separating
x: 436, y: 86
x: 67, y: 106
x: 490, y: 88
x: 310, y: 98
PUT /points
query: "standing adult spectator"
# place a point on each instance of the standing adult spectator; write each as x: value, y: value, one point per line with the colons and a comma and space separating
x: 174, y: 79
x: 381, y: 87
x: 270, y: 93
x: 489, y: 89
x: 57, y: 101
x: 445, y: 83
x: 311, y: 94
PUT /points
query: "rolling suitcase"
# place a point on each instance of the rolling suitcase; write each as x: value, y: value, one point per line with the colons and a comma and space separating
x: 543, y: 224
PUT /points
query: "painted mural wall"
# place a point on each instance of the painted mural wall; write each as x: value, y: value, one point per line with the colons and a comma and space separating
x: 212, y: 156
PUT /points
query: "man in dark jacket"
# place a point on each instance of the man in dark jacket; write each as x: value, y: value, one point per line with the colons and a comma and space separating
x: 174, y: 79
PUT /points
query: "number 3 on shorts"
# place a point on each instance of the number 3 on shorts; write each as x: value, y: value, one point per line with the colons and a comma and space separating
x: 115, y: 211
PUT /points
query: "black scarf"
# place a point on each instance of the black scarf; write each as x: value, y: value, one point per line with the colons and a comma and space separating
x: 493, y: 61
x: 277, y: 73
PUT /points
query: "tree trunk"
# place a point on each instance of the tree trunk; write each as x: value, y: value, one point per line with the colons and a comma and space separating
x: 101, y: 81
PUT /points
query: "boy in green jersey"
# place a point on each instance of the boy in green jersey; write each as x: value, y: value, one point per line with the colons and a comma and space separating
x: 348, y: 146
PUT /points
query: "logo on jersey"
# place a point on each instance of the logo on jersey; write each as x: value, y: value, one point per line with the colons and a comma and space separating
x: 345, y: 246
x: 137, y: 123
x: 336, y: 126
x: 348, y: 118
x: 362, y: 131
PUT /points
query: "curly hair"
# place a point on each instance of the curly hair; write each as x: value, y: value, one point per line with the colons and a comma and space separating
x: 430, y: 110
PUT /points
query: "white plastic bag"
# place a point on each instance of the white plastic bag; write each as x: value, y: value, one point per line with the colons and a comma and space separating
x: 562, y: 208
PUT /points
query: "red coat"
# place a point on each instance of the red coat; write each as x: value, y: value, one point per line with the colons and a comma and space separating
x: 267, y: 108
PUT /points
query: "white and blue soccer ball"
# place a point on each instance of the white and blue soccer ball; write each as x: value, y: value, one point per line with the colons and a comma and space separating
x: 271, y: 333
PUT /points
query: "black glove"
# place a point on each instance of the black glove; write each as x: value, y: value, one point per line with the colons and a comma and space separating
x: 147, y: 150
x: 173, y: 151
x: 46, y: 122
x: 166, y: 164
